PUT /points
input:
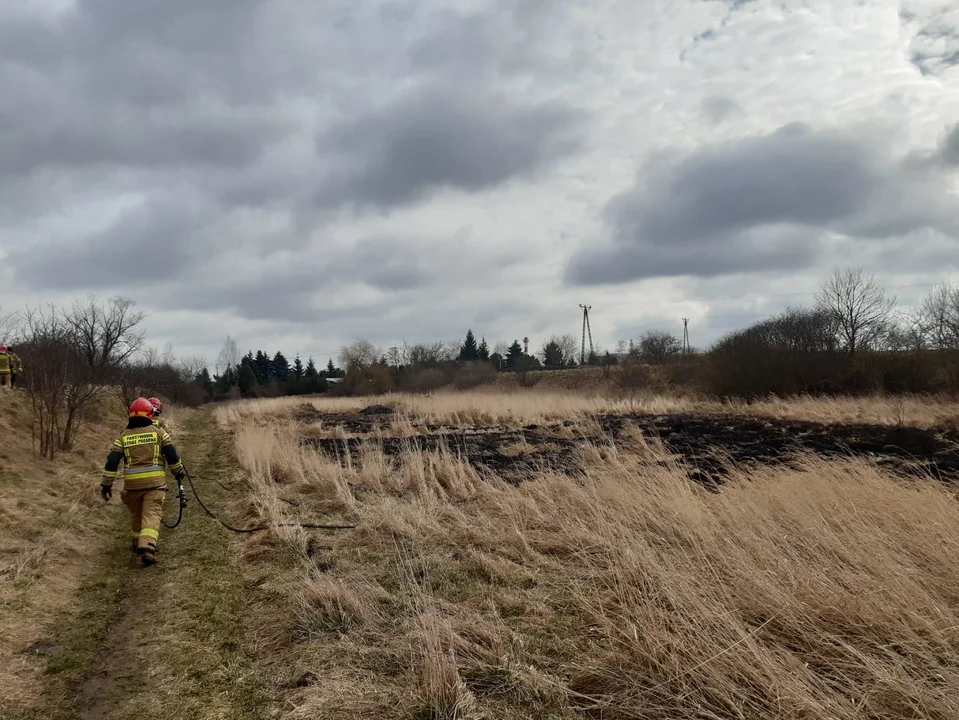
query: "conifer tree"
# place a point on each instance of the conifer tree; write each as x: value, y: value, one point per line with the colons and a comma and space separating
x: 280, y: 367
x: 333, y: 371
x: 483, y: 351
x: 262, y: 367
x: 469, y: 351
x: 204, y: 380
x: 312, y: 382
x: 246, y: 378
x: 514, y: 353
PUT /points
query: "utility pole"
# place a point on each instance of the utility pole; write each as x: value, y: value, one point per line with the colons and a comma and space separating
x: 586, y: 328
x: 685, y: 336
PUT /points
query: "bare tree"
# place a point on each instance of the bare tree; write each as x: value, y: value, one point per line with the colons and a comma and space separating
x: 859, y: 306
x: 168, y: 357
x: 192, y: 366
x: 359, y: 354
x: 9, y: 328
x: 106, y: 335
x: 228, y: 358
x: 656, y: 347
x: 52, y: 359
x: 938, y: 317
x: 907, y: 333
x: 568, y: 347
x: 72, y: 355
x: 393, y: 356
x: 429, y: 355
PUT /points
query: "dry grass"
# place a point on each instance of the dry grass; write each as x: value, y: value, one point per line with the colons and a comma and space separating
x: 912, y: 410
x: 617, y: 591
x: 50, y: 520
x: 523, y: 407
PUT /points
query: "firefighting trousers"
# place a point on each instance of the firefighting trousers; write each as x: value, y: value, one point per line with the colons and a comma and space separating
x: 4, y: 379
x: 146, y: 512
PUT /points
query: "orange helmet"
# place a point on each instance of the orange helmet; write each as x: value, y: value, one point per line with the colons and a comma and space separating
x: 157, y: 405
x: 141, y: 407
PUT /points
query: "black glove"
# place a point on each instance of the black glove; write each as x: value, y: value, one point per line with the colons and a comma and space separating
x: 106, y: 492
x: 180, y: 477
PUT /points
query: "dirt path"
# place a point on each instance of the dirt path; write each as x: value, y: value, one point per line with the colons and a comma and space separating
x: 174, y: 646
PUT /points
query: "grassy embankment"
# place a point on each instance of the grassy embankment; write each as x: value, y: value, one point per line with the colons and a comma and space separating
x: 86, y: 632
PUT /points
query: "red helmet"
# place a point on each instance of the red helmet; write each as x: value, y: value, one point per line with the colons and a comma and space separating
x: 157, y: 405
x: 3, y: 348
x: 141, y: 407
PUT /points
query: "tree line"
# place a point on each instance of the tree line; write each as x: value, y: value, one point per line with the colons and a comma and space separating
x: 261, y: 374
x: 853, y: 337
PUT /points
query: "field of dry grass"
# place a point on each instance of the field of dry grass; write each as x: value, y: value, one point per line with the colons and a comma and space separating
x: 51, y: 523
x: 522, y: 407
x: 598, y: 581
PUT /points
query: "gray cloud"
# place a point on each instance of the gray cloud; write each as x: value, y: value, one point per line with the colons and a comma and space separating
x: 145, y: 245
x: 718, y: 109
x: 949, y: 147
x: 762, y: 204
x: 443, y: 138
x: 298, y: 285
x: 387, y: 264
x: 934, y: 49
x: 247, y: 107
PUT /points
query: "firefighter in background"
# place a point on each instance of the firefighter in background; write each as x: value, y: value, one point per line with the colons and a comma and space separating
x: 16, y: 367
x: 5, y: 367
x: 144, y: 448
x: 157, y: 409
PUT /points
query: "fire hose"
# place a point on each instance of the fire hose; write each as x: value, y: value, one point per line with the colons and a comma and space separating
x: 181, y: 496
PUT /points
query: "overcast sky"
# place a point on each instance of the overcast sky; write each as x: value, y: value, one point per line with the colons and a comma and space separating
x: 299, y: 174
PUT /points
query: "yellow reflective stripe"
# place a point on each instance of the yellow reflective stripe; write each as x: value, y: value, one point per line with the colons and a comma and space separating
x: 148, y: 472
x: 146, y: 476
x: 140, y: 469
x: 150, y: 533
x: 178, y: 465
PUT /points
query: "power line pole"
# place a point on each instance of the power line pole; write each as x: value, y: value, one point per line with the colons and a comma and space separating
x: 582, y: 345
x: 586, y: 328
x: 685, y: 336
x: 589, y: 332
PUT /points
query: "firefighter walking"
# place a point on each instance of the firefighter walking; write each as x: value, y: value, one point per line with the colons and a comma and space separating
x: 16, y: 367
x: 6, y: 367
x: 143, y: 448
x: 157, y: 410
